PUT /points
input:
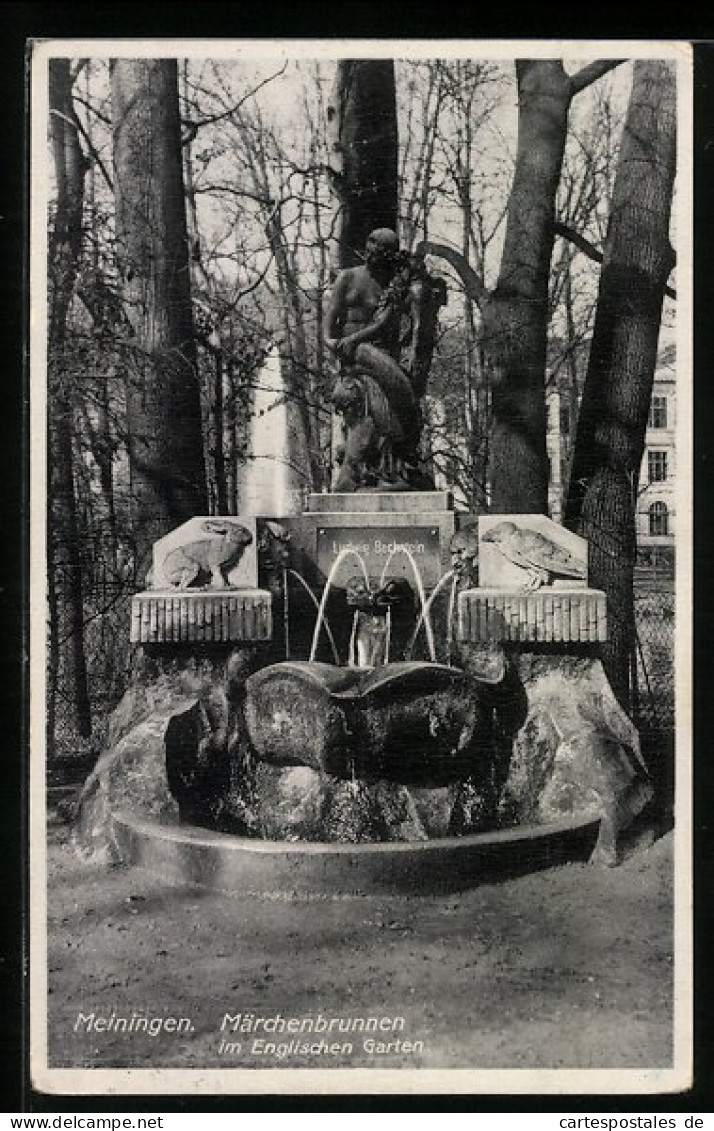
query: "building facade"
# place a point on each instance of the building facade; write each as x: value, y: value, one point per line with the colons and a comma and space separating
x: 655, y: 515
x: 656, y: 496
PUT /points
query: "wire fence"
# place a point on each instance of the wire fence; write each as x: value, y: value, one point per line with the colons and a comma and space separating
x: 653, y: 672
x: 107, y: 657
x: 653, y: 690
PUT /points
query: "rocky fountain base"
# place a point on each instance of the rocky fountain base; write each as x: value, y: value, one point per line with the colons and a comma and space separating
x: 229, y: 766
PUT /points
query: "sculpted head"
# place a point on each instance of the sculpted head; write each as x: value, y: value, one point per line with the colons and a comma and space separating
x: 229, y: 529
x: 464, y: 551
x: 381, y: 247
x: 273, y: 545
x: 500, y: 532
x: 348, y: 396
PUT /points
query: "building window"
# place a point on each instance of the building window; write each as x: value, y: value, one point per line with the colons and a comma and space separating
x: 658, y: 413
x: 657, y: 466
x: 659, y: 519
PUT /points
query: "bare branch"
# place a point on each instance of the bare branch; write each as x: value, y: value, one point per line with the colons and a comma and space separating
x: 229, y: 307
x: 76, y: 71
x: 578, y: 241
x: 590, y: 250
x: 77, y: 125
x: 92, y: 109
x: 232, y: 190
x: 473, y: 283
x: 592, y: 72
x: 193, y: 127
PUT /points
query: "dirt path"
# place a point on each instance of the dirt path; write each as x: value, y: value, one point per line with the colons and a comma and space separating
x: 566, y: 968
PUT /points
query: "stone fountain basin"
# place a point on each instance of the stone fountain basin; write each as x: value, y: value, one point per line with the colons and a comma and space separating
x: 189, y: 855
x: 414, y: 723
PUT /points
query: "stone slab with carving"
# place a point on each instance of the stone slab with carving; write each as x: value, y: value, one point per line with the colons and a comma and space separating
x: 532, y: 584
x: 207, y: 552
x: 526, y: 551
x: 204, y: 582
x: 385, y: 530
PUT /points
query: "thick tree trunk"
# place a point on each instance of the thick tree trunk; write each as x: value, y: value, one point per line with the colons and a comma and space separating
x: 320, y: 439
x: 64, y: 558
x: 163, y: 397
x: 70, y: 168
x: 615, y: 405
x: 53, y: 647
x: 362, y: 118
x: 516, y: 313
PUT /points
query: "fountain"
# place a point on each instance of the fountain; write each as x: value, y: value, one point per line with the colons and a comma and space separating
x: 278, y: 733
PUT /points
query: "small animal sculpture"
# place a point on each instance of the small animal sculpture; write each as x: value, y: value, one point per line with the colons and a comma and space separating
x: 273, y: 545
x: 205, y: 562
x: 369, y: 643
x: 273, y: 555
x: 361, y: 448
x: 534, y: 552
x: 463, y: 548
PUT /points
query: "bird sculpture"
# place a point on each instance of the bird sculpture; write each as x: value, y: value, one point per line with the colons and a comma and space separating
x: 534, y: 552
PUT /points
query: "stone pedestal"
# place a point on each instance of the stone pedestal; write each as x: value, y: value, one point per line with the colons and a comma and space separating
x: 550, y: 615
x: 532, y: 586
x: 208, y: 617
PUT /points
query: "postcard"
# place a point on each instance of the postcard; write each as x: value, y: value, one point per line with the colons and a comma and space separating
x: 361, y: 400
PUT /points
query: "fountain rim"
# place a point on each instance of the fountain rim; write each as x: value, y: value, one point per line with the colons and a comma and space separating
x: 207, y: 838
x: 207, y: 860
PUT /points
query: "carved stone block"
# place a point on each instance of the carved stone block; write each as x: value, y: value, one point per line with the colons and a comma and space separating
x: 550, y: 615
x: 525, y: 551
x: 205, y: 617
x: 207, y: 552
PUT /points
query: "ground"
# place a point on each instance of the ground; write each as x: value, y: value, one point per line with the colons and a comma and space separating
x: 570, y: 967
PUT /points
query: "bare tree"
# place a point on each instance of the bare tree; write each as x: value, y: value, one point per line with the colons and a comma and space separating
x: 515, y: 312
x: 637, y: 262
x: 362, y: 114
x: 65, y: 566
x: 163, y: 403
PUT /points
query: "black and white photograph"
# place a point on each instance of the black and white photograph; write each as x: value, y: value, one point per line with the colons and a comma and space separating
x: 360, y: 566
